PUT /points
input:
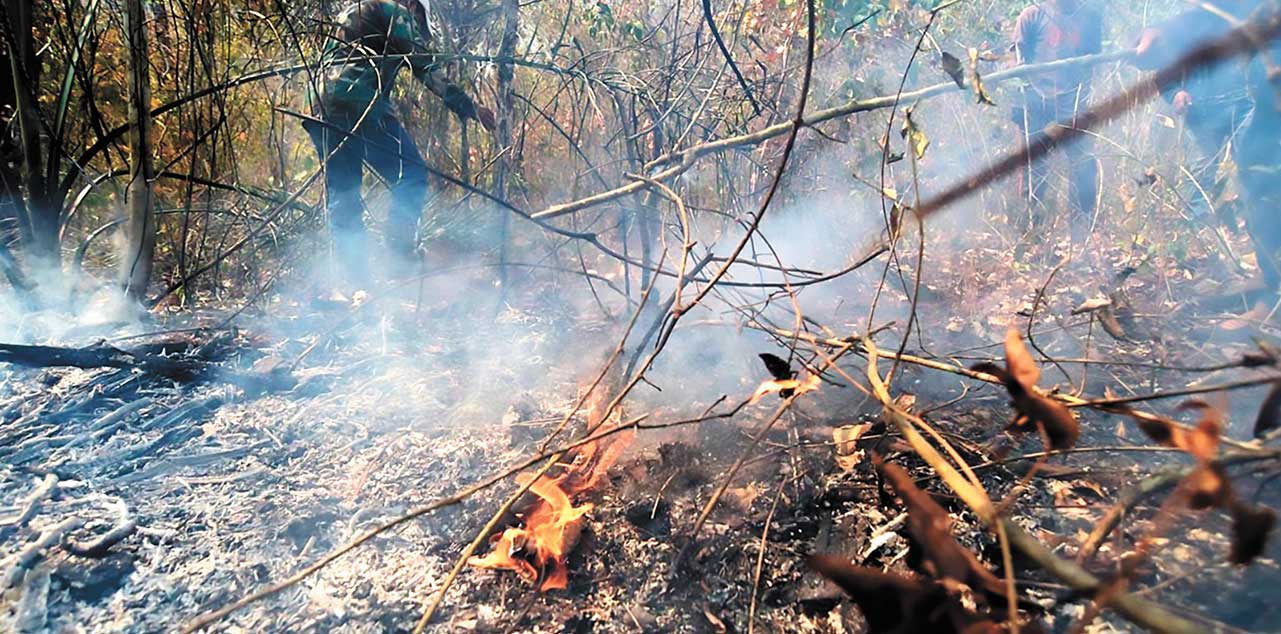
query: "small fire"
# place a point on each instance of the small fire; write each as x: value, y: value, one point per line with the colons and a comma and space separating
x: 798, y: 386
x: 553, y: 526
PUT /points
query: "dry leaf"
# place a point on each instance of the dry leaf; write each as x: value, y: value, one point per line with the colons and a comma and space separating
x: 790, y: 386
x: 980, y: 92
x: 1269, y: 417
x: 846, y: 440
x: 1207, y: 487
x: 916, y: 139
x: 952, y: 66
x: 898, y: 603
x: 777, y: 367
x: 931, y: 530
x: 1019, y: 362
x: 1019, y: 377
x: 1090, y: 305
x: 1250, y: 528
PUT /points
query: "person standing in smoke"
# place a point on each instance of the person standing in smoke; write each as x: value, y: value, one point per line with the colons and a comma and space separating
x: 1045, y: 32
x: 357, y: 124
x: 1214, y: 99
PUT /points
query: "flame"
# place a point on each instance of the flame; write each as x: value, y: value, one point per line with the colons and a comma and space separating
x: 553, y: 526
x: 799, y: 386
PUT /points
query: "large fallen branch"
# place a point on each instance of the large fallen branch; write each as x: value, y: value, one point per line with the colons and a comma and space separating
x: 103, y: 356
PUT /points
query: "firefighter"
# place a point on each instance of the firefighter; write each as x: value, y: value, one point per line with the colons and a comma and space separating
x: 1217, y: 96
x: 1044, y: 32
x: 358, y: 125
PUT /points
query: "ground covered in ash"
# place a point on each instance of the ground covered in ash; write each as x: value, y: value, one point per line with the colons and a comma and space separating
x: 307, y: 428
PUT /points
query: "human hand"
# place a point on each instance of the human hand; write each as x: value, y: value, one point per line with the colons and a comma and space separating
x: 1146, y: 51
x: 1182, y: 101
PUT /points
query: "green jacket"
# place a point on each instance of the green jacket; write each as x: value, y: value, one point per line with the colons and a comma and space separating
x: 350, y: 82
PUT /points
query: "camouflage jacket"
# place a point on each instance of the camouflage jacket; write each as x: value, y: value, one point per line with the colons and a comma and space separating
x: 352, y: 82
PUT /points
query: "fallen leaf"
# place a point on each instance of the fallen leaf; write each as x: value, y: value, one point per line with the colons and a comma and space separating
x: 1207, y: 487
x: 1090, y: 305
x: 787, y: 388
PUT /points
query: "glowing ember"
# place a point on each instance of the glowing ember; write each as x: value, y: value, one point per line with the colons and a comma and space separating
x: 799, y: 386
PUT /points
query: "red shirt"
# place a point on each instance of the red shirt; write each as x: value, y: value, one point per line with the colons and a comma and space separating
x: 1044, y: 32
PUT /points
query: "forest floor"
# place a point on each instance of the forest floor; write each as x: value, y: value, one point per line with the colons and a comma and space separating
x: 231, y: 487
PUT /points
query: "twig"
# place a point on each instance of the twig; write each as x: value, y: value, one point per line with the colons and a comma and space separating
x: 17, y: 565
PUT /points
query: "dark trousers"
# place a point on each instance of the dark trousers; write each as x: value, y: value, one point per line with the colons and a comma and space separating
x: 1259, y: 165
x: 344, y: 145
x: 1034, y: 120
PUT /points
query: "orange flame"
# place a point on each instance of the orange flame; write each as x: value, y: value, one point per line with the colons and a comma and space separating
x: 552, y: 528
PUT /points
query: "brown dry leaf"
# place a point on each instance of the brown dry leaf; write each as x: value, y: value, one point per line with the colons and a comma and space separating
x: 792, y: 386
x: 893, y: 602
x: 1202, y: 442
x: 742, y: 498
x: 1207, y: 487
x: 846, y: 440
x: 1162, y: 432
x: 1061, y: 427
x: 980, y: 91
x: 1269, y: 417
x: 1019, y: 377
x: 915, y: 137
x: 1091, y: 305
x: 1073, y: 499
x: 1019, y: 362
x: 931, y: 530
x: 952, y: 66
x: 1111, y: 325
x: 1250, y: 528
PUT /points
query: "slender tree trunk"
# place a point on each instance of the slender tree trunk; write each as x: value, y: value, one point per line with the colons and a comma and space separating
x: 12, y: 208
x: 137, y: 261
x: 37, y: 220
x: 506, y: 120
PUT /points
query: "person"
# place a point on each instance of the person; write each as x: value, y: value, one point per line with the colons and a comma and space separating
x: 358, y: 125
x: 1044, y: 32
x: 1209, y: 92
x: 1214, y: 102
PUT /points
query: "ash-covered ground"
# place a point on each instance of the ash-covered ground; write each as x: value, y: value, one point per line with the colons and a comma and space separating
x: 231, y: 482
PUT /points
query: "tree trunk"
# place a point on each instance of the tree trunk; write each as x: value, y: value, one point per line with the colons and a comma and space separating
x: 141, y: 246
x: 506, y: 119
x: 37, y: 221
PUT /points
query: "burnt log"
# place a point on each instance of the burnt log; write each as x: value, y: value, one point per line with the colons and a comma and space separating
x: 182, y: 370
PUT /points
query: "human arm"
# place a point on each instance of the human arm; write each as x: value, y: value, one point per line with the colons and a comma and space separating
x: 407, y: 35
x: 455, y: 98
x: 1027, y: 35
